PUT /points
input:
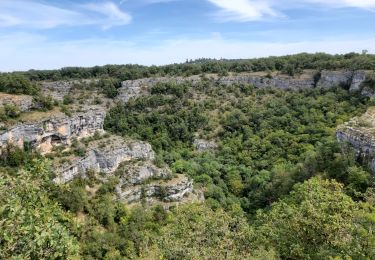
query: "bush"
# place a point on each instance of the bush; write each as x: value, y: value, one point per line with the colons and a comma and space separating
x: 67, y: 100
x: 17, y: 84
x: 12, y: 111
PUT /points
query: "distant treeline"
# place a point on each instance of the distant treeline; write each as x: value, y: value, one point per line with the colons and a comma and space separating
x: 290, y: 64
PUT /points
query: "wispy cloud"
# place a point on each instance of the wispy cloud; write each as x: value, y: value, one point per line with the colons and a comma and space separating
x: 366, y: 4
x: 254, y: 10
x: 243, y: 10
x: 112, y: 14
x: 36, y: 14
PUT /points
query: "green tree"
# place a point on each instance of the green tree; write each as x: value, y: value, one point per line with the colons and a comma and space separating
x: 32, y: 226
x: 317, y: 220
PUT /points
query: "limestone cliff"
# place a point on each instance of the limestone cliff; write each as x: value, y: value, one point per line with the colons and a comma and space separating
x: 144, y: 181
x: 309, y: 79
x: 104, y: 156
x: 46, y: 133
x: 359, y: 132
x: 132, y: 162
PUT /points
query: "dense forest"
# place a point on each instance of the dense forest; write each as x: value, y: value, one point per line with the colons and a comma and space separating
x: 278, y: 185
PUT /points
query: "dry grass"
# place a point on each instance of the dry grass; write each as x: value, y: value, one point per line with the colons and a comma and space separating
x: 36, y: 116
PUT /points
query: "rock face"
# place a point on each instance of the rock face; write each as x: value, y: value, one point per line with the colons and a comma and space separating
x: 143, y: 181
x: 356, y: 81
x: 58, y: 89
x: 359, y: 133
x: 334, y: 78
x: 353, y: 80
x: 22, y: 102
x: 163, y: 190
x: 47, y: 133
x: 204, y: 145
x: 350, y: 79
x: 104, y: 158
x: 139, y: 179
x: 140, y: 172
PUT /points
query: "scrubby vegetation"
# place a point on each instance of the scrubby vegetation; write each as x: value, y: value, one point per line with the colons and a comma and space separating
x: 17, y: 84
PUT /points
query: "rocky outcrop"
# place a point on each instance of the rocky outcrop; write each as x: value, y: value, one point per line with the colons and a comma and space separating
x: 357, y: 81
x: 329, y: 79
x: 163, y: 190
x: 143, y: 181
x: 104, y: 156
x: 353, y: 80
x: 135, y: 88
x: 202, y: 145
x: 140, y: 172
x: 58, y: 89
x: 359, y: 132
x: 22, y: 102
x: 131, y: 161
x: 47, y: 133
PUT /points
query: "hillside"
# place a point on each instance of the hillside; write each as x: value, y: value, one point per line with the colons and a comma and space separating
x: 268, y: 158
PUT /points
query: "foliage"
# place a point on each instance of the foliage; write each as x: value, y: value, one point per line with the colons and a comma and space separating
x: 67, y: 100
x: 269, y: 139
x: 317, y: 220
x: 197, y: 232
x: 17, y: 84
x: 289, y: 64
x: 109, y: 86
x: 32, y: 226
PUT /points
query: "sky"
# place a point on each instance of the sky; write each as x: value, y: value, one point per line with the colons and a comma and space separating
x: 50, y: 34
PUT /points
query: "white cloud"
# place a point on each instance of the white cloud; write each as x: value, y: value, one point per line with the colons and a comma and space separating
x: 367, y: 4
x: 112, y: 13
x: 35, y: 14
x: 243, y: 10
x: 253, y: 10
x: 23, y: 52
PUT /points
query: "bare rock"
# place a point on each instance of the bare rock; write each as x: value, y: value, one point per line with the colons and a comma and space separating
x: 104, y: 158
x: 58, y: 89
x: 204, y: 145
x: 331, y: 79
x: 353, y: 80
x: 22, y: 102
x: 167, y: 191
x: 47, y: 133
x: 140, y: 172
x: 359, y: 133
x: 357, y: 80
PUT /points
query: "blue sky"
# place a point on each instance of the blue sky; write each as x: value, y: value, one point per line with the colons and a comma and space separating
x: 47, y: 34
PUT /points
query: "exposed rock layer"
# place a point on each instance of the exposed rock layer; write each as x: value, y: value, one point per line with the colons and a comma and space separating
x: 325, y: 79
x: 359, y: 133
x: 104, y: 159
x: 47, y: 133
